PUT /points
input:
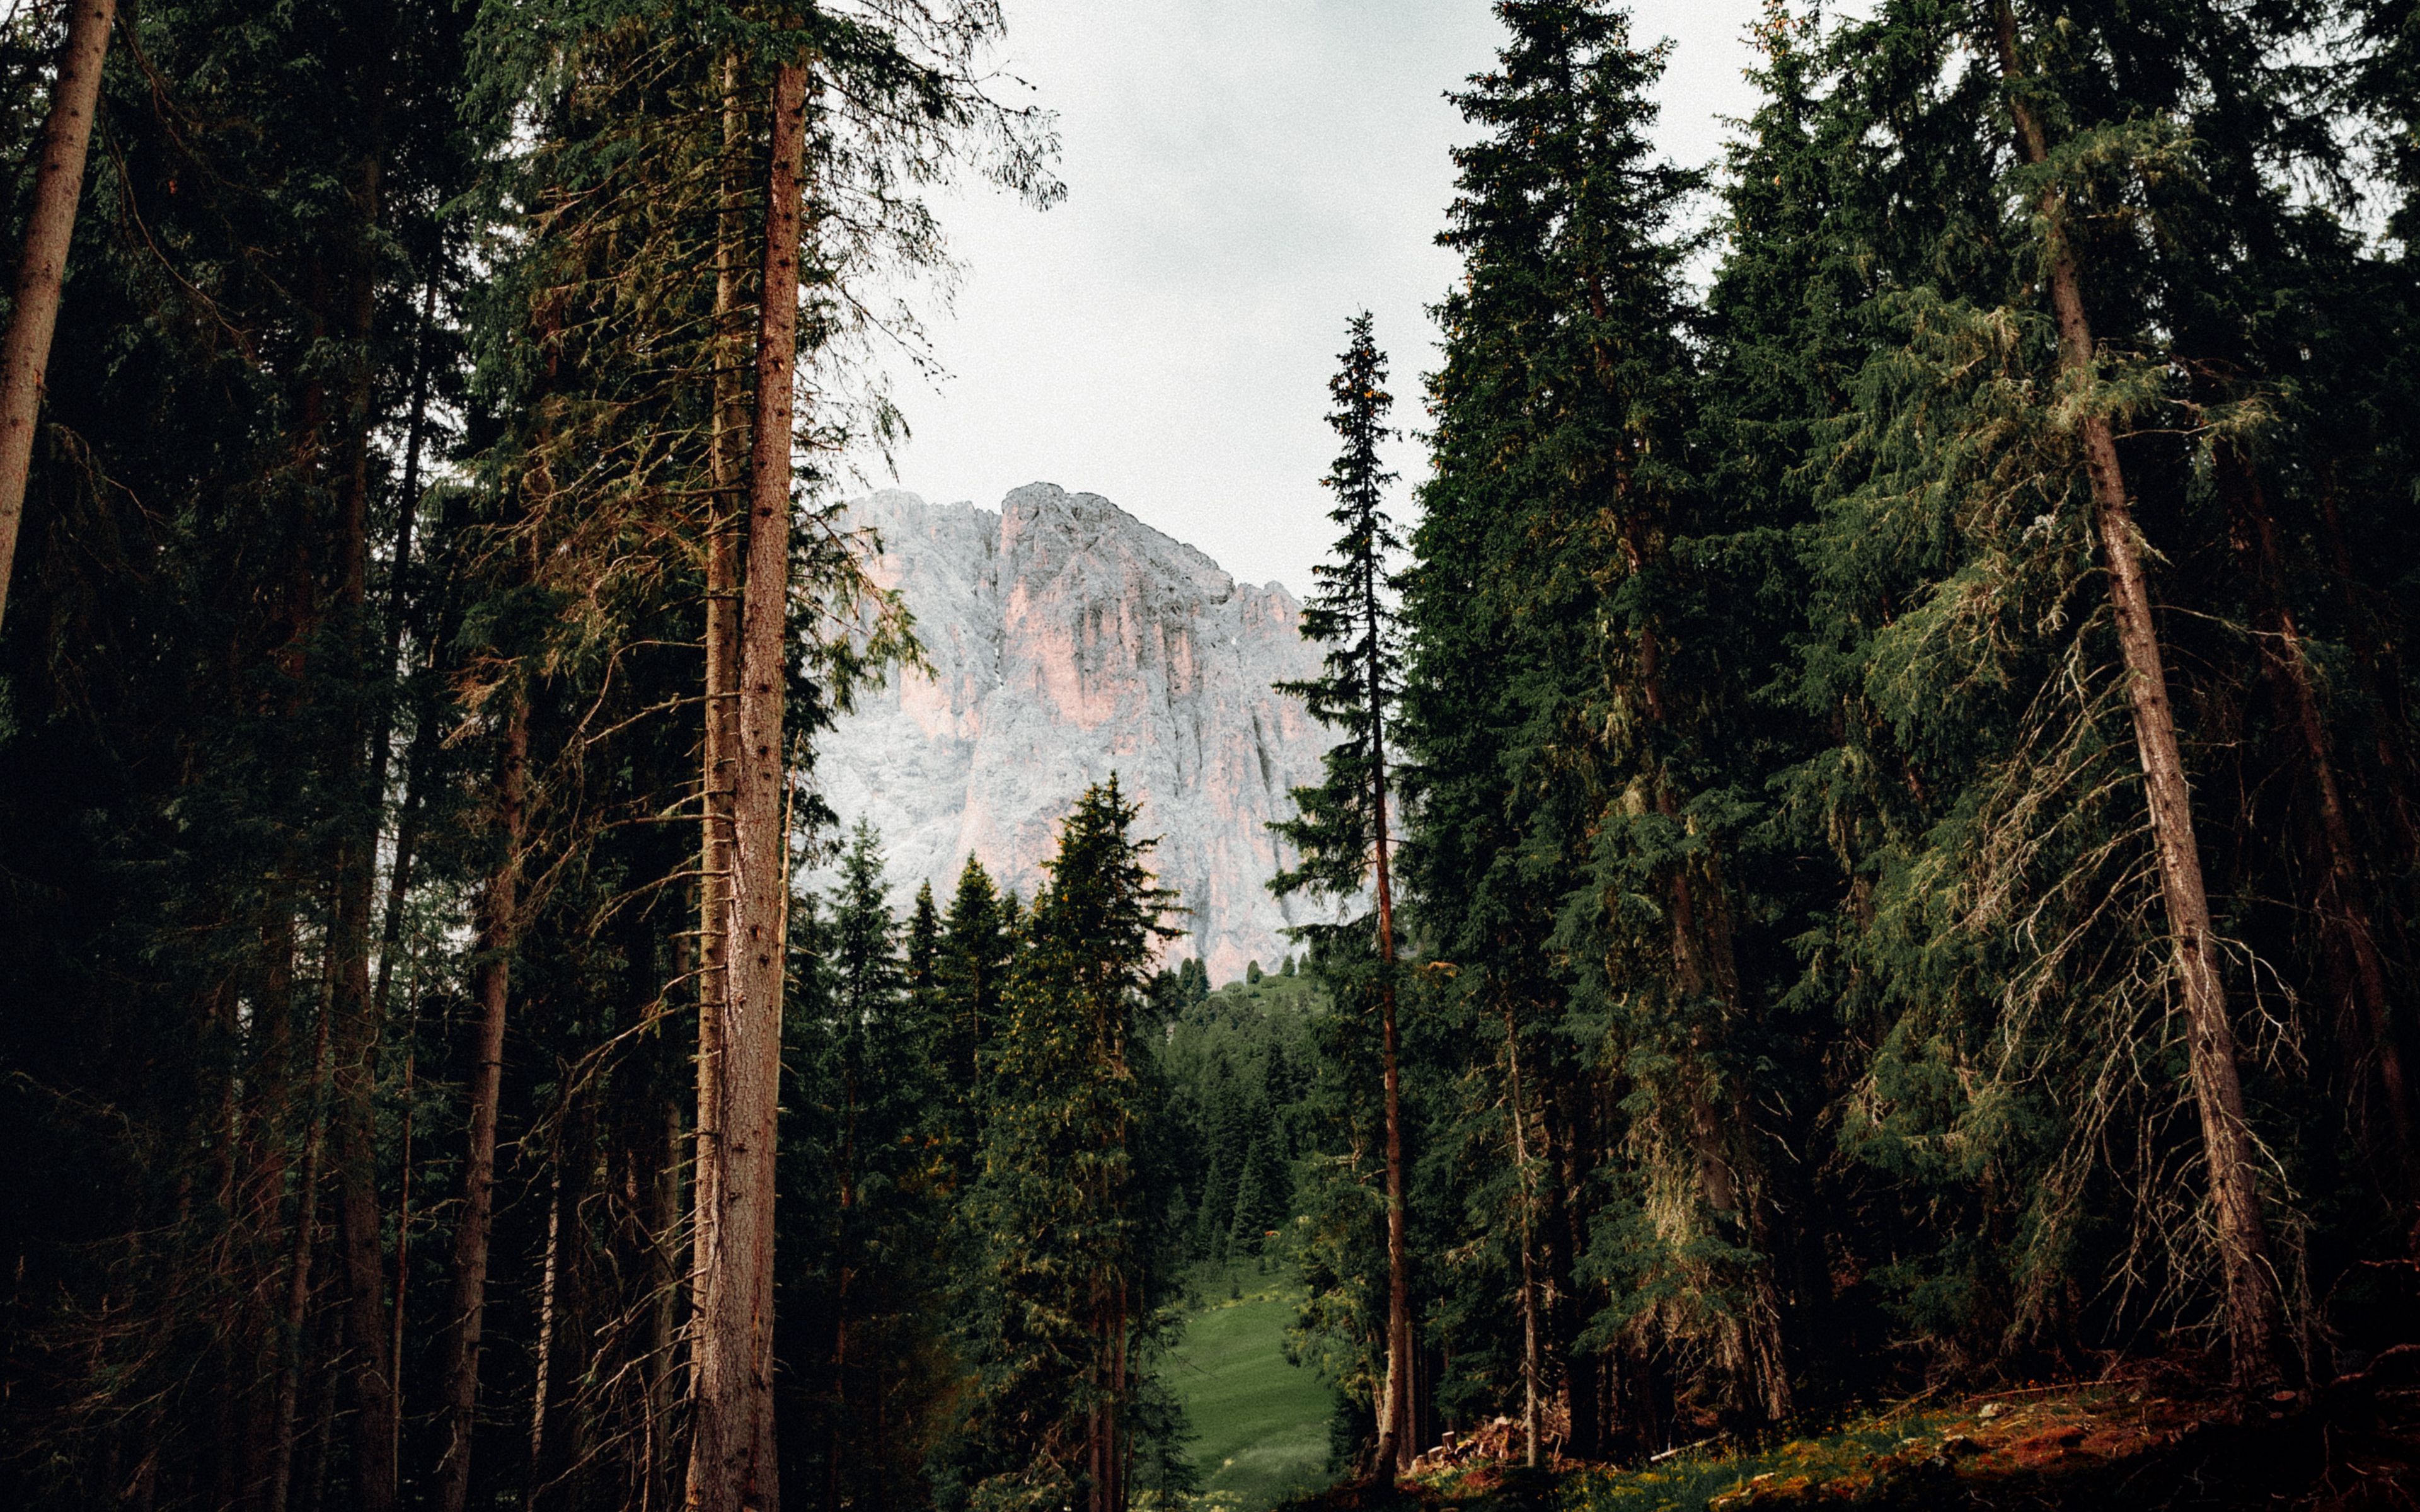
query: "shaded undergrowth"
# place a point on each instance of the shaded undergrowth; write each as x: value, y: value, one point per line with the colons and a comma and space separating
x: 2066, y: 1448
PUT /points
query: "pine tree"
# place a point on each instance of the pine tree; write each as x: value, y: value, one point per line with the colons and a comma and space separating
x: 1225, y: 1132
x: 970, y: 968
x: 1072, y: 1265
x: 1341, y: 828
x: 922, y: 951
x: 1570, y: 708
x: 871, y: 1349
x: 1263, y: 1188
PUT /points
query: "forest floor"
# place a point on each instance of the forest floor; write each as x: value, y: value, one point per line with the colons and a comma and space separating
x: 1261, y: 1423
x: 2144, y: 1443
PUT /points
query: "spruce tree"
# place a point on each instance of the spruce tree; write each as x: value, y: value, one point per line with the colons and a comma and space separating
x: 921, y: 952
x: 867, y: 972
x: 398, y: 712
x: 1073, y: 1255
x: 1570, y: 713
x: 970, y: 968
x: 874, y: 1190
x: 2024, y: 427
x: 1341, y: 831
x: 1263, y: 1191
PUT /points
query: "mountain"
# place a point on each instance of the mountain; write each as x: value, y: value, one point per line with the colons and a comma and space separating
x: 1068, y: 639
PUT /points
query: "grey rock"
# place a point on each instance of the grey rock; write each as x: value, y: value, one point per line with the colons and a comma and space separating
x: 1068, y: 639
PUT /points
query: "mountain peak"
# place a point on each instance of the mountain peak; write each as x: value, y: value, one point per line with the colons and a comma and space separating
x: 1068, y: 639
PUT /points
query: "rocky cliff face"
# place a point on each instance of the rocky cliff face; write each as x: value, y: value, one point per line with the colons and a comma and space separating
x: 1070, y: 639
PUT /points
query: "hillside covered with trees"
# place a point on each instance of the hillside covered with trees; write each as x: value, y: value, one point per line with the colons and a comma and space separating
x: 1873, y: 826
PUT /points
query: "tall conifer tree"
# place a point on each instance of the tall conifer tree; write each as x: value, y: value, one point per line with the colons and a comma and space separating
x: 1341, y: 828
x: 1569, y: 712
x: 1073, y: 1251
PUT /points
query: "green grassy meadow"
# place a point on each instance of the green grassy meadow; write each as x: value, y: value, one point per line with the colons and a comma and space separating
x: 1261, y: 1423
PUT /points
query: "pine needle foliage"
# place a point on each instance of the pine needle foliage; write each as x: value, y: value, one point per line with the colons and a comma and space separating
x: 1075, y: 1250
x: 1351, y: 612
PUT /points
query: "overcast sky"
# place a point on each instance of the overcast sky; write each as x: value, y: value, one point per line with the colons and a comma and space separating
x: 1242, y: 174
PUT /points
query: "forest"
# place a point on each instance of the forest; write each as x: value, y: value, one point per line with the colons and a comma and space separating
x: 1873, y: 836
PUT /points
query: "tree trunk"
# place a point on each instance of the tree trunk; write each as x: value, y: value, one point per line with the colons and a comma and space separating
x: 403, y: 1228
x: 399, y: 599
x: 323, y: 1445
x: 58, y: 184
x: 1105, y: 1435
x: 1564, y: 1127
x: 298, y: 1282
x: 1528, y: 1267
x: 407, y: 828
x: 362, y: 778
x: 1397, y: 1414
x: 398, y: 603
x: 732, y: 1456
x: 548, y: 1272
x: 2394, y: 769
x: 2254, y: 1320
x: 1121, y: 1454
x: 1396, y: 1448
x: 721, y: 763
x: 499, y: 931
x: 359, y: 1218
x: 664, y: 1311
x: 2342, y: 913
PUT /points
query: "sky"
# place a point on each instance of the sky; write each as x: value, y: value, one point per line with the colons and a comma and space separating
x: 1242, y: 175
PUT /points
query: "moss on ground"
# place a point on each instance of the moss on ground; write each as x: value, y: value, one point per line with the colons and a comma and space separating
x: 2117, y: 1445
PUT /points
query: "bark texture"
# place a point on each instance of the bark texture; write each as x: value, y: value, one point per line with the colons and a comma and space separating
x: 298, y: 1286
x: 500, y: 912
x: 1520, y: 1118
x: 732, y: 1465
x: 720, y: 762
x: 58, y: 184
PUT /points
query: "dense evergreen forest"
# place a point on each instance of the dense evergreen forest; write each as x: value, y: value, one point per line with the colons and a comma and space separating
x: 1874, y: 830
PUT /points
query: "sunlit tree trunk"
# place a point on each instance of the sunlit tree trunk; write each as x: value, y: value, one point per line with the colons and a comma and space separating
x: 721, y: 709
x: 731, y: 1464
x: 549, y: 1275
x: 58, y: 184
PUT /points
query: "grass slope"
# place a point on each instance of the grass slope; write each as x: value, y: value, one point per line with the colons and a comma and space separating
x: 1261, y: 1423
